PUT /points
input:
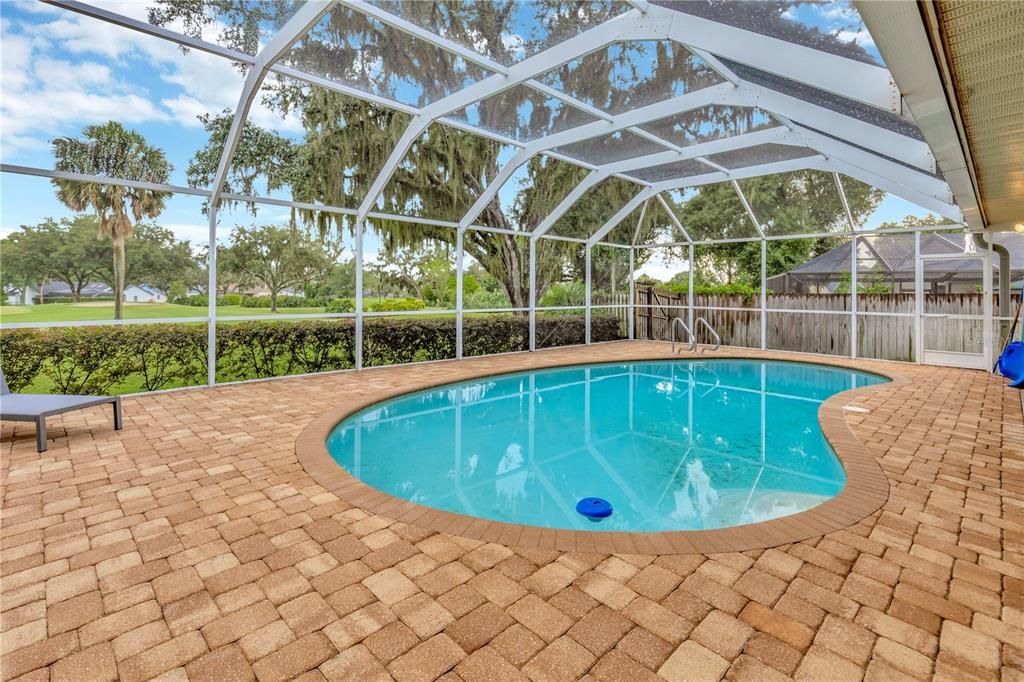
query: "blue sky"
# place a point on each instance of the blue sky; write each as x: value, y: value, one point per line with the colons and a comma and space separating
x: 62, y: 71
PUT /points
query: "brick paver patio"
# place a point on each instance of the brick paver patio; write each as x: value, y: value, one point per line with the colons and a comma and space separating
x: 193, y: 545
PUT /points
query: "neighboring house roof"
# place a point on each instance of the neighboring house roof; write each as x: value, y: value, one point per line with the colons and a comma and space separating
x: 892, y: 255
x: 151, y: 290
x: 94, y: 289
x: 62, y: 289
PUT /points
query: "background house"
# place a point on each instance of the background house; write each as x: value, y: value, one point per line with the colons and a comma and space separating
x: 60, y: 292
x: 887, y: 260
x: 141, y: 293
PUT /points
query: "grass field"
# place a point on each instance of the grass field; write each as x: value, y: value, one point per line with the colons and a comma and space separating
x: 85, y: 311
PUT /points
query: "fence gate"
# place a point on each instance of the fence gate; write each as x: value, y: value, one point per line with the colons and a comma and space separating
x: 955, y: 333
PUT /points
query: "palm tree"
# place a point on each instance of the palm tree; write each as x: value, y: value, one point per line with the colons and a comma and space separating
x: 113, y: 151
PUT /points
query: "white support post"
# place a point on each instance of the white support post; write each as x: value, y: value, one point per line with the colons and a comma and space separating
x: 764, y: 294
x: 918, y: 301
x: 533, y: 293
x: 305, y: 18
x: 459, y: 265
x: 853, y: 297
x: 632, y: 295
x: 689, y: 293
x: 211, y: 298
x: 358, y: 342
x: 589, y: 291
x: 986, y: 308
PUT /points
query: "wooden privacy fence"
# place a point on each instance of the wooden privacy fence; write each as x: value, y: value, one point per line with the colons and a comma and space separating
x: 885, y: 323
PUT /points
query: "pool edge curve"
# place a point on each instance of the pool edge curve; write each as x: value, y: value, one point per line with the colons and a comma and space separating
x: 866, y: 489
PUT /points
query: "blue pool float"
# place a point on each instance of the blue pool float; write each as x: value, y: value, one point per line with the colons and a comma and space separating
x: 594, y: 508
x: 1011, y: 364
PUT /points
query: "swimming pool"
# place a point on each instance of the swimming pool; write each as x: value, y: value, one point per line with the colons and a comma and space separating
x: 672, y: 445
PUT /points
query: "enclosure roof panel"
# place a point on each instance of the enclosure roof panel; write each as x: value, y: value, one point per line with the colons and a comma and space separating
x: 631, y: 74
x: 600, y: 84
x: 799, y: 22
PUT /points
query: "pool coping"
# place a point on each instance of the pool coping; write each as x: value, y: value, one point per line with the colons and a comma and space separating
x: 866, y: 489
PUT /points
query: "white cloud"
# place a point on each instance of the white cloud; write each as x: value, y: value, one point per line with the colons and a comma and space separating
x: 113, y: 77
x: 662, y: 269
x: 862, y: 38
x: 196, y: 233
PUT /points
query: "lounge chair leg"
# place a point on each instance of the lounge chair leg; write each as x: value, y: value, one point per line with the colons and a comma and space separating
x: 40, y: 434
x: 117, y: 414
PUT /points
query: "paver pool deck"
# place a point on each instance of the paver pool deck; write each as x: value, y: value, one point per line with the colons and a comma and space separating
x: 197, y: 544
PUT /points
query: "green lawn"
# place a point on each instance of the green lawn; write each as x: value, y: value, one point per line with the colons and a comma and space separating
x: 76, y: 312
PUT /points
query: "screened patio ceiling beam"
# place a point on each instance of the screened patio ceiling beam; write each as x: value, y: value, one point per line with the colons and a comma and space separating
x: 640, y: 222
x: 623, y: 213
x: 709, y: 178
x: 619, y: 28
x: 846, y: 203
x: 808, y: 162
x: 850, y: 78
x: 673, y: 219
x: 832, y: 148
x: 475, y: 57
x: 946, y: 209
x: 302, y: 21
x: 861, y: 133
x: 545, y: 144
x: 746, y: 205
x: 565, y: 204
x: 151, y: 29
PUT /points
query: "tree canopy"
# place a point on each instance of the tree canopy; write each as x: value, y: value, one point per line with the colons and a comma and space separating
x: 276, y: 258
x: 111, y: 150
x: 345, y: 140
x: 69, y: 251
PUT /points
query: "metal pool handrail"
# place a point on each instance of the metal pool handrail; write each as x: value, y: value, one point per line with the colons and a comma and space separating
x: 678, y: 321
x: 711, y: 330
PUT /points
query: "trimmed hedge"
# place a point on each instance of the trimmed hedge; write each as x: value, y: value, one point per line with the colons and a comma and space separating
x: 148, y: 357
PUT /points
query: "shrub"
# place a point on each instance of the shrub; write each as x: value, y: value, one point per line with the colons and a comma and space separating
x: 341, y: 305
x: 86, y: 359
x: 202, y: 300
x: 197, y: 300
x: 22, y: 352
x: 282, y: 302
x: 126, y: 358
x: 486, y: 299
x: 564, y: 294
x: 391, y: 305
x: 713, y: 289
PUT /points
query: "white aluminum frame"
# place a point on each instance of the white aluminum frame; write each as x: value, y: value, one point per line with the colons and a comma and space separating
x: 853, y: 147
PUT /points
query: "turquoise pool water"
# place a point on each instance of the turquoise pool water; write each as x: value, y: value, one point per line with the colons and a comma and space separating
x: 672, y: 445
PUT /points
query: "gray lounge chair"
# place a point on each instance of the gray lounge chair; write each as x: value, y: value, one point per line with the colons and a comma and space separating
x: 36, y: 407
